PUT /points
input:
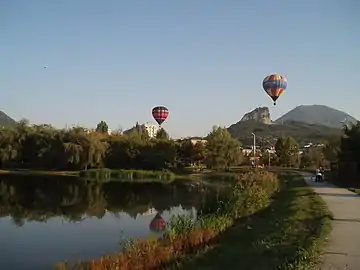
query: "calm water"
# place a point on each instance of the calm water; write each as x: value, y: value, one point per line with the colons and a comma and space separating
x: 47, y: 220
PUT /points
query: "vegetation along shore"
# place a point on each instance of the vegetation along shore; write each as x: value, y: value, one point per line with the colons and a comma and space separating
x: 273, y: 221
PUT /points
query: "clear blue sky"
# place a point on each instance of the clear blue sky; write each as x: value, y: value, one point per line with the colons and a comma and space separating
x: 204, y: 59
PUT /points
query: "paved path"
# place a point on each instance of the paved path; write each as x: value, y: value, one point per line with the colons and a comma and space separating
x: 343, y: 249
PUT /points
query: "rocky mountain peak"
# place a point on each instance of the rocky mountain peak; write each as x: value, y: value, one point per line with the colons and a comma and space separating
x: 261, y: 114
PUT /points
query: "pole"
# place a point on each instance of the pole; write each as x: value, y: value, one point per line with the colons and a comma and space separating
x: 269, y: 156
x: 254, y: 146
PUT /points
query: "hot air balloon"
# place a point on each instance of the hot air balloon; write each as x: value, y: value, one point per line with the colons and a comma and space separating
x: 158, y: 224
x: 160, y: 113
x: 274, y: 85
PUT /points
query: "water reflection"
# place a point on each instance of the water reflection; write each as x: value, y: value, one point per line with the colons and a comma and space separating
x: 45, y: 220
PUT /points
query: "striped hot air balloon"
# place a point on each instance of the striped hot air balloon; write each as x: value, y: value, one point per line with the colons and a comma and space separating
x: 157, y: 224
x: 160, y: 113
x: 275, y: 85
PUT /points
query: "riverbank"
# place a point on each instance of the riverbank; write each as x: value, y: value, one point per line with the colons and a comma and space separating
x: 102, y: 174
x: 286, y: 234
x: 40, y: 172
x: 142, y: 176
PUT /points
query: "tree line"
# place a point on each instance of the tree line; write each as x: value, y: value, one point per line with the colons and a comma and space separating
x: 47, y: 148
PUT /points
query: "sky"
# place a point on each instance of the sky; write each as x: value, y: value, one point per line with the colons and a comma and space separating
x: 205, y: 60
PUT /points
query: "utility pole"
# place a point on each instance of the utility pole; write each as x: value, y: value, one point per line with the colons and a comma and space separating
x: 269, y: 156
x: 254, y: 145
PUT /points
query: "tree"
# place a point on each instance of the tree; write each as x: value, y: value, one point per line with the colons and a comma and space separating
x: 102, y: 127
x: 287, y: 150
x: 185, y: 152
x: 332, y: 149
x: 313, y: 158
x: 198, y: 153
x: 266, y: 156
x: 223, y: 151
x: 162, y: 134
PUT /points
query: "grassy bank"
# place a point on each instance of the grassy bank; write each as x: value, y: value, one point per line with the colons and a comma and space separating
x: 102, y: 174
x: 251, y: 192
x: 127, y: 175
x: 39, y: 172
x: 286, y: 235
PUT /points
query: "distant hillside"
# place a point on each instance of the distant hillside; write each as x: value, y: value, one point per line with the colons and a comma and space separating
x: 318, y: 115
x: 6, y: 121
x: 261, y: 114
x: 302, y: 132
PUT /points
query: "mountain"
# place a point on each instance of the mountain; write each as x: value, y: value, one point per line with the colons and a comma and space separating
x: 6, y: 121
x: 259, y: 122
x: 261, y: 115
x: 318, y: 115
x: 302, y: 132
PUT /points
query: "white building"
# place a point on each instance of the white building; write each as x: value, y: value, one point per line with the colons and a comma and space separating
x: 151, y: 129
x: 195, y: 141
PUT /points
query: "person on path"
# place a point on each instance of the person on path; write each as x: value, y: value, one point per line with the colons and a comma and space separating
x: 318, y: 175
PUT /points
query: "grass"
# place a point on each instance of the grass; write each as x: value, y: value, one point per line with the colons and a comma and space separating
x: 103, y: 174
x: 39, y: 172
x: 128, y: 175
x: 287, y: 235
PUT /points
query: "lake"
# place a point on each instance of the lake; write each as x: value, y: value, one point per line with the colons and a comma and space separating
x: 45, y: 220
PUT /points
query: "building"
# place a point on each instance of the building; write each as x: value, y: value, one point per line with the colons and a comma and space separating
x: 195, y: 141
x: 150, y: 128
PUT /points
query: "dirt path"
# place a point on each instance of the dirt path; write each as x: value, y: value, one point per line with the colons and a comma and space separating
x: 343, y: 249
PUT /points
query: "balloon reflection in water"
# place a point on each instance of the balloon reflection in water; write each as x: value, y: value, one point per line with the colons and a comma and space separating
x: 157, y: 224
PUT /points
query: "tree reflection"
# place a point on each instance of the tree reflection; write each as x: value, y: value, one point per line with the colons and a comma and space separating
x: 30, y: 198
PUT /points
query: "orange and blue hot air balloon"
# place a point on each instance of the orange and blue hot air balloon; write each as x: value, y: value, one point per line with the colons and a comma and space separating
x: 160, y: 113
x: 157, y: 224
x: 275, y: 85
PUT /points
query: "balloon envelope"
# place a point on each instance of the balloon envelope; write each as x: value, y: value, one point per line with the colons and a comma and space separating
x: 157, y: 224
x: 160, y: 113
x: 275, y: 85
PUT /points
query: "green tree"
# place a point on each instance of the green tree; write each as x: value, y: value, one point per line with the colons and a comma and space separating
x: 223, y: 151
x: 162, y: 134
x: 350, y: 144
x: 332, y: 149
x: 102, y: 127
x: 266, y: 156
x: 287, y: 150
x: 185, y: 152
x: 313, y: 158
x: 305, y: 160
x: 198, y: 153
